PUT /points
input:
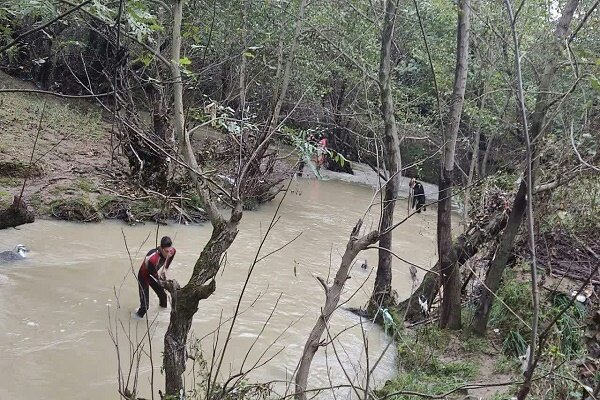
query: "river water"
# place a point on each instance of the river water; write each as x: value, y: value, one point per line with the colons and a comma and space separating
x: 55, y: 306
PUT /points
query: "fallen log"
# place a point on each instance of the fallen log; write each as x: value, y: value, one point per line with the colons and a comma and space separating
x: 464, y: 247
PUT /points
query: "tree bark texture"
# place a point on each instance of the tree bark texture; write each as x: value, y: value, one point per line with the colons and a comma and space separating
x: 449, y: 269
x: 450, y: 273
x: 201, y: 284
x: 486, y: 155
x: 184, y: 303
x: 332, y: 296
x: 382, y: 291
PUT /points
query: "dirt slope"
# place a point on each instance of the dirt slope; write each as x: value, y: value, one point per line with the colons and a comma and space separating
x: 72, y: 155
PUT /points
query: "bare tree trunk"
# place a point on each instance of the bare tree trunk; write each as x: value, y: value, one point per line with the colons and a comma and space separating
x: 202, y: 282
x: 332, y: 296
x: 473, y: 168
x: 285, y: 80
x: 184, y: 301
x: 526, y: 386
x: 242, y: 81
x: 382, y: 291
x: 450, y: 279
x: 160, y: 166
x: 497, y: 266
x: 486, y: 155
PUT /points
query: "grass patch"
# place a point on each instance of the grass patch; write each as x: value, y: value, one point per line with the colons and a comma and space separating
x: 433, y: 377
x: 565, y: 341
x: 75, y: 209
x: 423, y: 369
x: 10, y: 182
x: 35, y: 201
x: 473, y: 344
x: 72, y: 117
x: 517, y: 296
x: 6, y: 199
x: 86, y: 185
x: 418, y: 381
x: 505, y: 365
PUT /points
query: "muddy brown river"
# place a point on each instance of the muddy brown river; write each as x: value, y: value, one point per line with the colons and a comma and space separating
x: 54, y: 306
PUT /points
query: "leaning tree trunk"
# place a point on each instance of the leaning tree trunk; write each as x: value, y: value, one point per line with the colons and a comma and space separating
x: 450, y: 273
x: 382, y: 292
x: 498, y: 263
x: 465, y: 247
x: 479, y: 323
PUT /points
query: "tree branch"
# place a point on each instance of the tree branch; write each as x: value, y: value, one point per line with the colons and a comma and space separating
x: 47, y: 24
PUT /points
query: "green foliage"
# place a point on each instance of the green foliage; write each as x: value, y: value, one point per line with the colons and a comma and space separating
x: 418, y: 351
x: 75, y: 209
x: 422, y: 367
x: 564, y: 342
x: 5, y: 198
x: 573, y: 208
x: 9, y: 182
x: 516, y: 296
x: 473, y: 344
x: 514, y: 344
x: 86, y: 185
x: 567, y: 343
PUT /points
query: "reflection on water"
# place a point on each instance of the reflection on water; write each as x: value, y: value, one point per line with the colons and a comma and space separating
x: 54, y: 306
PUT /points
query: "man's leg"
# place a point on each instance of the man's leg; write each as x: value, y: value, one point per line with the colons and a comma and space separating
x: 420, y: 204
x: 144, y: 300
x: 160, y: 292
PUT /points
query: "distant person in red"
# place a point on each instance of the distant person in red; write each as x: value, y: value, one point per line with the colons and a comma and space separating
x: 154, y: 268
x: 321, y: 150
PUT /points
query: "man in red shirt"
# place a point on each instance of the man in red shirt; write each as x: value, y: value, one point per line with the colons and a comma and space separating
x: 153, y: 268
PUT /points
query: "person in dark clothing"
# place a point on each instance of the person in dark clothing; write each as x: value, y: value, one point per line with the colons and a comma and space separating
x: 301, y: 164
x: 418, y: 195
x: 154, y: 268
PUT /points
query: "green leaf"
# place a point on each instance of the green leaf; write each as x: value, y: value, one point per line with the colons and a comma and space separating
x: 184, y: 61
x: 595, y: 83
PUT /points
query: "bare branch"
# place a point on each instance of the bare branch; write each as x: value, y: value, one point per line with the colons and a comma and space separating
x: 64, y: 96
x: 47, y: 24
x: 578, y: 154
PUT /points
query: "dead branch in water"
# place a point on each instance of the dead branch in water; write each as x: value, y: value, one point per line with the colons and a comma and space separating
x: 332, y: 296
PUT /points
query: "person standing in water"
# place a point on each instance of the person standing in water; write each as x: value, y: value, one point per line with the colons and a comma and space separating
x: 418, y: 195
x: 154, y: 268
x: 321, y: 150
